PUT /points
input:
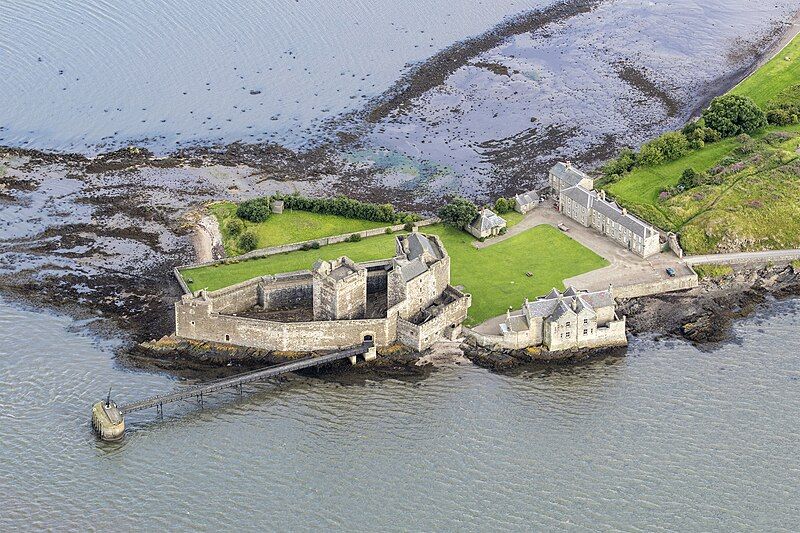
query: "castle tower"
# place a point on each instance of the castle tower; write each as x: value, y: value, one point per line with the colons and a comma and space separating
x: 340, y: 290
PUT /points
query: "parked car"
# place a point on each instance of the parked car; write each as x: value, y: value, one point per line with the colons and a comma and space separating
x: 562, y: 227
x: 670, y: 272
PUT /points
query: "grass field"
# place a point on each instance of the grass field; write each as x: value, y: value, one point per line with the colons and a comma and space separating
x: 495, y: 276
x: 753, y: 202
x: 775, y: 76
x: 288, y: 227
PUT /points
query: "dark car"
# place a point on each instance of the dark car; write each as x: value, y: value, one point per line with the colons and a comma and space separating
x: 671, y: 272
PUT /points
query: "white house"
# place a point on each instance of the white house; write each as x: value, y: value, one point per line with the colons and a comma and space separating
x: 486, y: 224
x: 564, y: 175
x: 525, y: 202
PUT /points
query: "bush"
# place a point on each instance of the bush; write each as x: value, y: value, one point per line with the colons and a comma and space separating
x: 625, y: 162
x: 315, y: 245
x: 389, y: 231
x: 503, y: 205
x: 409, y: 226
x: 234, y: 227
x: 459, y: 212
x: 503, y: 230
x: 355, y: 237
x: 255, y: 210
x: 248, y: 242
x: 784, y: 109
x: 733, y: 114
x: 668, y: 147
x: 347, y: 207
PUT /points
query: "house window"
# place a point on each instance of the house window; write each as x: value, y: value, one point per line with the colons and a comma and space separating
x: 569, y: 324
x: 585, y: 321
x: 567, y: 334
x: 585, y: 331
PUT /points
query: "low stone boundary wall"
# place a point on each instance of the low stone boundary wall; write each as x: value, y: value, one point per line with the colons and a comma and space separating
x: 744, y: 258
x: 293, y: 247
x: 677, y: 283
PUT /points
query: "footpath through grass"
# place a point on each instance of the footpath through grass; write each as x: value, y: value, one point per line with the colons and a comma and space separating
x: 287, y: 227
x: 495, y: 275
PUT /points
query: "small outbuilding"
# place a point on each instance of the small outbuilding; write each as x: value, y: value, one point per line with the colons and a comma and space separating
x: 277, y: 206
x: 525, y: 202
x: 486, y: 224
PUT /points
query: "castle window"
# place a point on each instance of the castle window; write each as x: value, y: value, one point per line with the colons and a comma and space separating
x: 192, y: 322
x: 227, y: 337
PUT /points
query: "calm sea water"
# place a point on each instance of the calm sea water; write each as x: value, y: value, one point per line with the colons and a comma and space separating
x: 667, y: 438
x: 80, y: 75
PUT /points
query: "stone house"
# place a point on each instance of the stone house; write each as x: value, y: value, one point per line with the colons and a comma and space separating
x: 563, y: 175
x: 337, y: 304
x: 561, y: 321
x: 525, y: 202
x: 592, y: 209
x: 486, y: 224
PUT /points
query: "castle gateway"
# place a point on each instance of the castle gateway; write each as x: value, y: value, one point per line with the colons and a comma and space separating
x: 337, y: 304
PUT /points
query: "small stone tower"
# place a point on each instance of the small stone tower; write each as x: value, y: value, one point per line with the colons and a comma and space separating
x: 340, y: 290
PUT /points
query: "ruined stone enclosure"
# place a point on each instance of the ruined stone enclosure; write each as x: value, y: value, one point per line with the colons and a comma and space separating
x: 336, y: 304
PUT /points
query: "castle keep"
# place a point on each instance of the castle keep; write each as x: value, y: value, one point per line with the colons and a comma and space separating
x: 336, y: 304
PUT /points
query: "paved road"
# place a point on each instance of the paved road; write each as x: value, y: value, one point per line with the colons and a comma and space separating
x: 744, y: 257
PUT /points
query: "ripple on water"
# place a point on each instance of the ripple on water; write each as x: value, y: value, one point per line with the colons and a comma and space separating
x: 666, y: 438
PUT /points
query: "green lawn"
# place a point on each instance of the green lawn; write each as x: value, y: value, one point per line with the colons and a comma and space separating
x: 775, y: 76
x: 288, y: 227
x: 222, y: 275
x: 495, y: 276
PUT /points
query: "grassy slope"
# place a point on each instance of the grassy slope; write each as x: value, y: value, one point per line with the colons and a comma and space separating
x: 774, y: 76
x: 288, y: 227
x: 495, y: 276
x: 709, y: 217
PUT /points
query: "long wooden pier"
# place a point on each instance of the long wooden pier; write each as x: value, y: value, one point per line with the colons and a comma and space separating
x: 248, y: 377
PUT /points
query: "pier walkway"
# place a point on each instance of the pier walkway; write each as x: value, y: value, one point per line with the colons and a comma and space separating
x: 248, y: 377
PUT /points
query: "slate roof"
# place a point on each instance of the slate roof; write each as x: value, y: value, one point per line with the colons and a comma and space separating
x: 555, y: 305
x: 413, y: 268
x: 486, y: 220
x: 419, y: 245
x: 609, y: 209
x: 568, y: 174
x: 527, y: 198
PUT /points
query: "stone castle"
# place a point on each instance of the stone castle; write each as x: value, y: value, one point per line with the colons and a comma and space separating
x: 337, y: 304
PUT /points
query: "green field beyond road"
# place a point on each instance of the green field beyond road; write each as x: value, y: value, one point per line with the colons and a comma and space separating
x: 495, y: 276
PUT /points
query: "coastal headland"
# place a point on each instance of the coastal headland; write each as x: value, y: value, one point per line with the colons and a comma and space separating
x: 81, y: 227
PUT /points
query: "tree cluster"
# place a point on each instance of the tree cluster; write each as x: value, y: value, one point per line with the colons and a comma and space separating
x: 255, y: 210
x: 347, y: 207
x: 733, y: 114
x: 459, y: 212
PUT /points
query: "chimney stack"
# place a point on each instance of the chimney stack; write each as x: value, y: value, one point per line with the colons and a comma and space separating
x: 624, y: 212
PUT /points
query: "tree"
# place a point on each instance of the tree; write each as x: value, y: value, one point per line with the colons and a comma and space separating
x: 255, y: 210
x: 667, y: 147
x: 248, y: 241
x: 503, y: 205
x: 733, y: 114
x: 688, y: 179
x: 235, y: 226
x: 459, y: 212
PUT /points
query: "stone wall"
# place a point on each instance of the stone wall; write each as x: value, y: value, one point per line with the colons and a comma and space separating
x: 293, y: 247
x: 200, y: 322
x: 422, y: 336
x: 677, y: 283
